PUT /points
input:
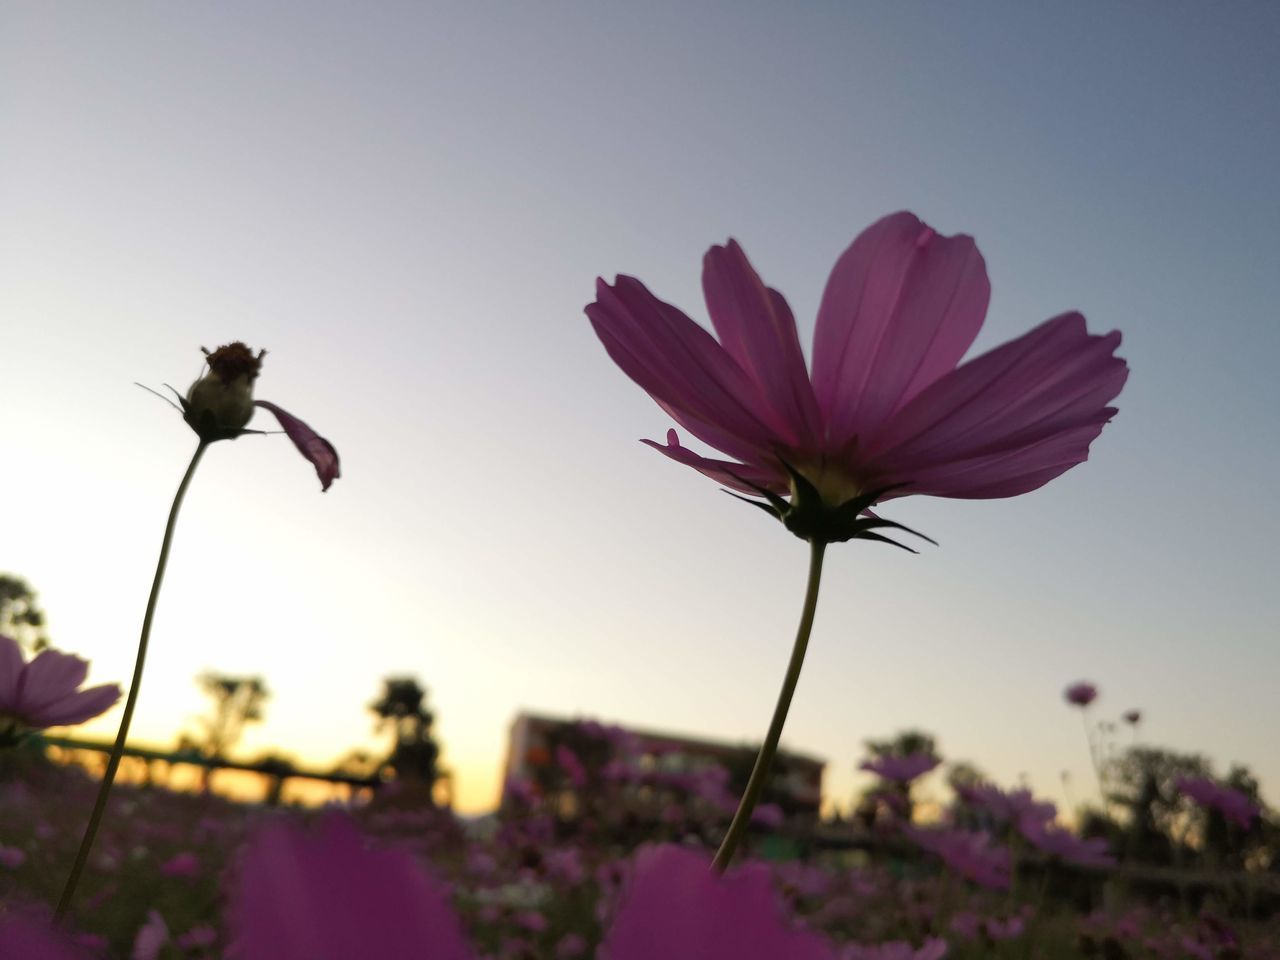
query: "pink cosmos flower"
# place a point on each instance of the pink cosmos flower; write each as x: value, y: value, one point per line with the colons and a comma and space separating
x: 220, y: 404
x: 46, y: 692
x: 901, y: 769
x: 1065, y: 845
x: 1080, y: 694
x: 322, y: 895
x: 970, y: 854
x: 676, y: 908
x: 888, y: 410
x: 1232, y: 804
x: 32, y: 939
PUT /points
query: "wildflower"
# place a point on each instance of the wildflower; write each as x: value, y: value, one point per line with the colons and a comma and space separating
x: 887, y: 410
x: 675, y: 908
x: 32, y: 939
x: 299, y: 895
x: 1080, y: 694
x: 1132, y: 717
x: 1232, y: 804
x: 152, y: 937
x: 901, y: 769
x: 1065, y: 845
x: 219, y: 405
x: 970, y: 854
x: 46, y: 692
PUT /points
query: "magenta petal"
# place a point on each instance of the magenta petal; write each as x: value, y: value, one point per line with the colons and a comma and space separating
x: 77, y: 707
x: 756, y: 328
x: 322, y: 895
x: 900, y: 309
x: 309, y: 443
x: 738, y: 476
x: 677, y: 908
x: 1007, y: 421
x: 31, y: 939
x: 678, y: 363
x: 11, y: 667
x: 49, y: 677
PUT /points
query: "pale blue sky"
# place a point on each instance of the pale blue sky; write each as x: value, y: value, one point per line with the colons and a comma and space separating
x: 407, y: 204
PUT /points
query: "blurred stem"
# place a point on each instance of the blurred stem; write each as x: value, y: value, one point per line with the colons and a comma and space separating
x: 117, y: 751
x: 764, y: 760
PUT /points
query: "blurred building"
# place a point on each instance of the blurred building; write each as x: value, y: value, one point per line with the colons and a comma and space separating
x: 795, y: 786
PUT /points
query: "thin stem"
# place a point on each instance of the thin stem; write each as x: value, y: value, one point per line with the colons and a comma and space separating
x: 764, y: 760
x: 117, y: 751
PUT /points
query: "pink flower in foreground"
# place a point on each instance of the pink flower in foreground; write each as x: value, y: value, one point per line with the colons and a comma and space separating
x: 323, y: 895
x: 901, y: 769
x: 220, y: 404
x: 46, y: 692
x: 932, y: 949
x: 676, y: 908
x: 33, y: 939
x: 1232, y: 804
x: 888, y: 409
x: 1080, y: 694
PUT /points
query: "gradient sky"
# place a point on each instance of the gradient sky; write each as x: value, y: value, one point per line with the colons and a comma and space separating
x: 408, y: 203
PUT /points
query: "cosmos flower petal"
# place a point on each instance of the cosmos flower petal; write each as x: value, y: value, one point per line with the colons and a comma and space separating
x: 11, y: 667
x: 756, y: 328
x: 309, y: 895
x: 50, y: 675
x: 1055, y: 377
x: 77, y: 707
x: 310, y: 444
x: 900, y: 309
x: 677, y: 908
x: 727, y: 472
x: 676, y: 361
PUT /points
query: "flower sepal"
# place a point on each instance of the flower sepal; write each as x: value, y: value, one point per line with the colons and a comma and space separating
x: 812, y: 518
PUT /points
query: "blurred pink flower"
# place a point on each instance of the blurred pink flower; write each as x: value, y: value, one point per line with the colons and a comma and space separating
x: 32, y: 939
x: 676, y: 908
x: 1065, y: 845
x: 1080, y: 694
x: 901, y: 769
x: 1232, y: 804
x: 323, y: 895
x: 151, y: 938
x: 932, y: 949
x: 971, y: 854
x: 12, y: 857
x: 888, y: 409
x: 1007, y: 807
x: 768, y: 815
x: 185, y: 864
x: 46, y: 692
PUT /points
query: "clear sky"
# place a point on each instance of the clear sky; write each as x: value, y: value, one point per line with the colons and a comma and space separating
x: 407, y: 204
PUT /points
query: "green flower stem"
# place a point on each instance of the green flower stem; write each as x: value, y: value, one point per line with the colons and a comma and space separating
x: 764, y: 760
x: 113, y: 764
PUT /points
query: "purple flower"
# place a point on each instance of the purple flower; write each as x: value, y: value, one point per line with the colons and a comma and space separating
x: 888, y: 410
x: 323, y: 895
x: 1065, y: 845
x: 31, y: 939
x: 46, y: 692
x: 220, y: 404
x: 970, y: 854
x: 1080, y: 694
x: 901, y: 769
x: 1232, y: 804
x: 676, y: 908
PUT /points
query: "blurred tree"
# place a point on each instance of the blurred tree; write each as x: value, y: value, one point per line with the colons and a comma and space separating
x: 237, y: 701
x: 1227, y: 844
x: 401, y: 708
x: 20, y: 615
x: 277, y: 768
x: 1160, y: 819
x: 904, y: 743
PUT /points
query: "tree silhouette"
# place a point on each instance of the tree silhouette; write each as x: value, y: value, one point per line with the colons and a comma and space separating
x: 401, y: 708
x: 237, y: 701
x: 1144, y: 782
x: 20, y: 615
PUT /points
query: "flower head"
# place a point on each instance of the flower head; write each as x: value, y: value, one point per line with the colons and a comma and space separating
x: 1132, y: 717
x: 1080, y: 694
x: 888, y: 410
x: 1237, y: 807
x: 677, y: 908
x: 46, y: 692
x: 901, y: 769
x: 219, y: 405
